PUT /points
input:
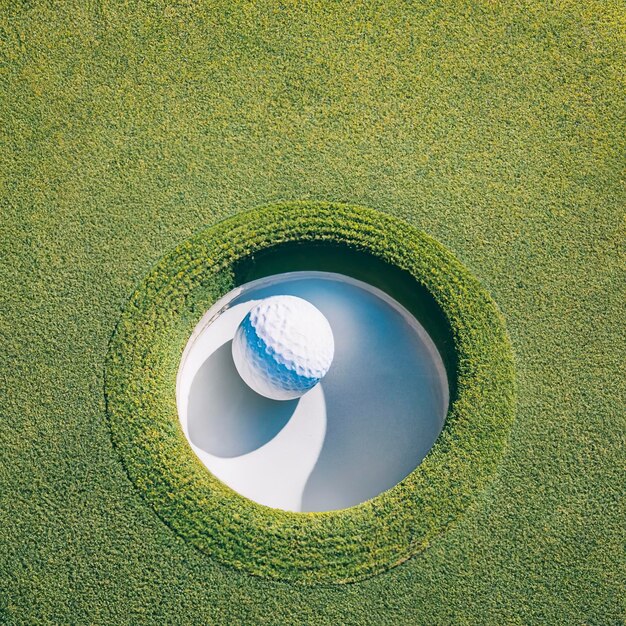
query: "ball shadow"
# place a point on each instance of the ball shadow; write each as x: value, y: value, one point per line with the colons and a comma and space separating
x: 225, y: 417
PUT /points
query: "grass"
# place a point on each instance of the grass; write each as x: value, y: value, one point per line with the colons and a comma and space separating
x: 332, y: 547
x: 494, y: 127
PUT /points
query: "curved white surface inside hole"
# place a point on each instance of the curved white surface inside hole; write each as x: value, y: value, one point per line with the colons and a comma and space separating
x: 363, y: 429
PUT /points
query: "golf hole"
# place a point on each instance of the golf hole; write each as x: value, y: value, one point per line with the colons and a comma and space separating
x: 361, y: 430
x: 354, y: 474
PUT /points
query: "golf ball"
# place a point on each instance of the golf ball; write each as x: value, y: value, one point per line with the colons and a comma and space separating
x: 283, y: 347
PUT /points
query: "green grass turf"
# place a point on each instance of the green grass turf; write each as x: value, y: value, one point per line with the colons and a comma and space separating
x: 495, y: 127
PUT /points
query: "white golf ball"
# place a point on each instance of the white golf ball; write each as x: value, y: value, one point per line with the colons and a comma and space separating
x: 283, y: 347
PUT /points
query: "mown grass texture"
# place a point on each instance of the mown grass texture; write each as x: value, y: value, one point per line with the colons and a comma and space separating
x: 496, y: 127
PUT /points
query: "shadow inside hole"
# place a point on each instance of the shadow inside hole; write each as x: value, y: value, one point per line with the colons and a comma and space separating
x: 364, y: 266
x: 385, y: 406
x: 225, y: 417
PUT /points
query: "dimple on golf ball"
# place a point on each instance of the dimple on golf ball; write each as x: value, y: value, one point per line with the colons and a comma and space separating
x: 283, y: 347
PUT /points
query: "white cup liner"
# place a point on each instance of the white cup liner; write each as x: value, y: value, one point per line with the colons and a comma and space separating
x: 364, y: 428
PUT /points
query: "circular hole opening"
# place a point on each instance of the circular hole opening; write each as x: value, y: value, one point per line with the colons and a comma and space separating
x: 369, y: 422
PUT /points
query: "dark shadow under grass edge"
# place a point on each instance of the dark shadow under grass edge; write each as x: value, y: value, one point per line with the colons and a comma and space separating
x: 329, y: 547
